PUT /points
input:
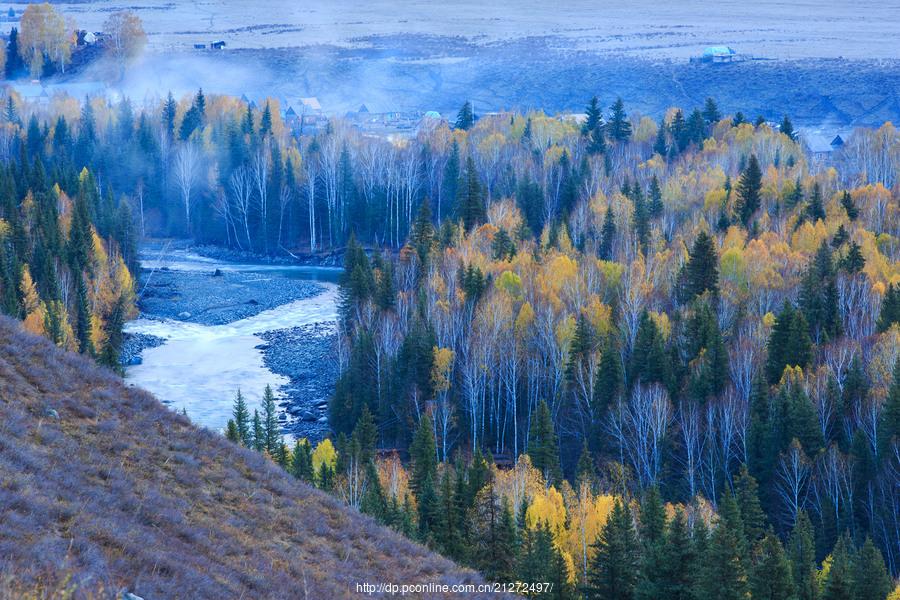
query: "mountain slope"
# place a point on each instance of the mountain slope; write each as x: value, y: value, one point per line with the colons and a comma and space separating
x: 101, y: 482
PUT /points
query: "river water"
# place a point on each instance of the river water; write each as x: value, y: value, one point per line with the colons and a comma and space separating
x: 199, y: 367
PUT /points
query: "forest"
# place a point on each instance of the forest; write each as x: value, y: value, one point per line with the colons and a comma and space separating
x: 633, y: 358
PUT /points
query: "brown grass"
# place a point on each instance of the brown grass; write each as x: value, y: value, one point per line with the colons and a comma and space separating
x: 119, y: 493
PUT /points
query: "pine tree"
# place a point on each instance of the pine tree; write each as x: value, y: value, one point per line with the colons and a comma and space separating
x: 609, y: 378
x: 422, y: 234
x: 652, y: 535
x: 494, y: 540
x: 241, y: 417
x: 655, y: 207
x: 753, y: 518
x: 301, y: 461
x: 15, y: 66
x: 593, y: 117
x: 613, y: 571
x: 270, y: 426
x: 423, y: 454
x: 465, y: 118
x: 802, y: 553
x: 543, y: 448
x: 373, y: 502
x: 265, y: 123
x: 815, y: 211
x: 607, y: 235
x: 429, y: 510
x: 696, y: 128
x: 748, y: 190
x: 819, y: 297
x: 854, y: 261
x: 889, y: 421
x: 890, y: 308
x: 839, y: 584
x: 109, y: 356
x: 660, y: 146
x: 231, y: 432
x: 585, y: 470
x: 259, y: 437
x: 701, y: 272
x: 619, y: 127
x: 649, y: 362
x: 711, y: 112
x: 470, y: 197
x: 849, y: 206
x: 678, y: 129
x: 771, y: 578
x: 724, y: 571
x: 789, y: 343
x: 871, y: 580
x: 678, y: 566
x: 787, y: 128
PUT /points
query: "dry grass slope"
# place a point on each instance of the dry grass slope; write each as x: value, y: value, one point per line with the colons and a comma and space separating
x: 101, y: 483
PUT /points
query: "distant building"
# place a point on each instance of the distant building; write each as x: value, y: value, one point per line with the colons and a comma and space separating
x: 821, y: 147
x: 718, y: 55
x: 311, y: 105
x: 199, y: 46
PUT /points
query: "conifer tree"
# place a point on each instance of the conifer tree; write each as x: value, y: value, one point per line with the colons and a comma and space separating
x: 889, y: 422
x: 465, y: 118
x: 701, y: 271
x: 711, y: 112
x: 259, y: 436
x: 619, y: 127
x: 241, y: 417
x: 724, y: 573
x: 839, y: 583
x: 787, y: 128
x: 495, y: 536
x: 854, y: 261
x: 423, y: 454
x: 660, y: 146
x: 607, y: 235
x: 789, y: 343
x: 802, y: 553
x: 270, y: 426
x: 301, y: 461
x: 871, y: 580
x: 748, y: 190
x: 470, y: 197
x: 231, y: 432
x: 819, y: 296
x: 640, y: 218
x: 593, y: 117
x: 890, y: 308
x: 655, y: 207
x: 609, y: 378
x: 543, y: 448
x: 849, y: 206
x: 753, y: 518
x: 815, y: 211
x: 678, y: 566
x: 613, y: 571
x: 771, y: 577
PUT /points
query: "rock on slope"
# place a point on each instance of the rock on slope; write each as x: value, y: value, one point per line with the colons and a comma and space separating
x: 101, y: 483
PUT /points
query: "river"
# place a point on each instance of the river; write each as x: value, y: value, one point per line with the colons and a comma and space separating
x: 199, y: 367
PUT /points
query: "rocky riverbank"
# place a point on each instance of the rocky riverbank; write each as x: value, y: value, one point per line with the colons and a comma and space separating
x: 307, y: 356
x: 134, y: 344
x: 216, y: 297
x: 322, y: 259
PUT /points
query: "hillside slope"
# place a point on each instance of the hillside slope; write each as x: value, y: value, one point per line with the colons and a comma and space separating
x: 101, y: 482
